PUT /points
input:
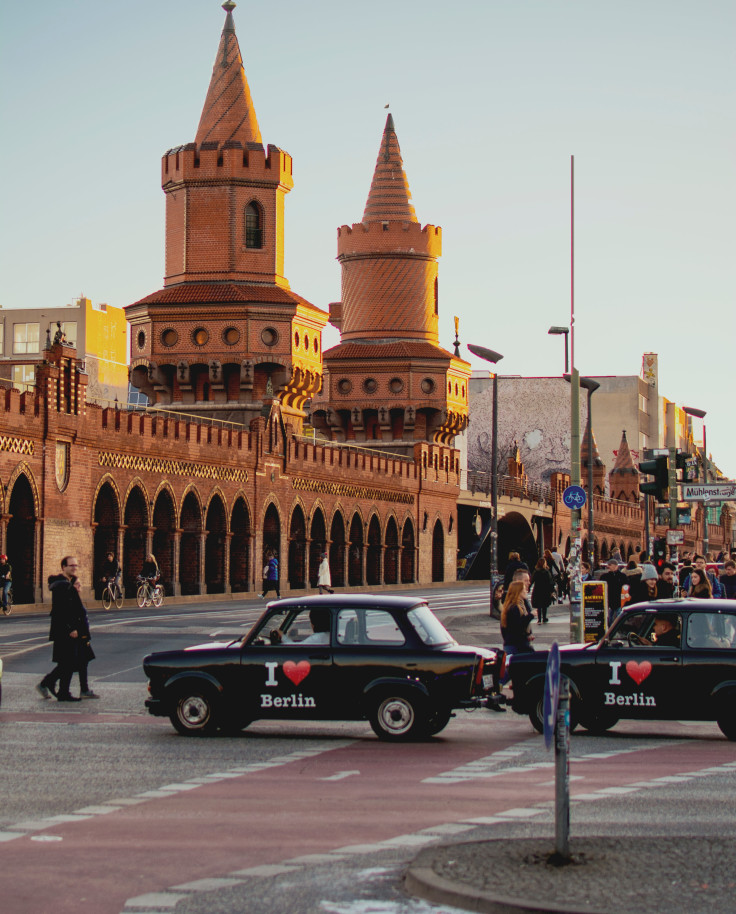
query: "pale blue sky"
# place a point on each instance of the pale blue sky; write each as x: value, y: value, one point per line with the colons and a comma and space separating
x: 490, y: 99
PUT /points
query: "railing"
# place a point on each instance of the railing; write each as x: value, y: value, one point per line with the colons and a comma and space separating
x: 355, y: 448
x: 155, y: 411
x: 477, y: 481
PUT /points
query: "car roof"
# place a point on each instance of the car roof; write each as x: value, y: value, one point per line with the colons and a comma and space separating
x: 355, y: 601
x: 690, y: 604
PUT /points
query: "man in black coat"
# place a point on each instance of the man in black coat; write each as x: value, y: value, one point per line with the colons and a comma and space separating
x: 68, y: 619
x: 615, y: 579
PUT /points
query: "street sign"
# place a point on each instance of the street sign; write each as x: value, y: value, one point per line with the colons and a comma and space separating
x: 551, y: 694
x: 574, y: 497
x: 710, y: 491
x: 675, y: 537
x: 595, y: 602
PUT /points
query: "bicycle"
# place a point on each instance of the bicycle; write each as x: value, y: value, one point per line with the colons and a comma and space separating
x: 149, y: 592
x: 111, y: 594
x: 7, y: 610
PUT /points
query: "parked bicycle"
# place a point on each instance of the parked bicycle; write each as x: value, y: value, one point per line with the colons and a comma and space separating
x: 149, y: 592
x: 112, y: 595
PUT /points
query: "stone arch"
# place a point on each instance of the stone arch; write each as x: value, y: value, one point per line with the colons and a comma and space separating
x: 438, y: 551
x: 408, y: 573
x: 516, y: 535
x: 373, y: 555
x: 355, y: 551
x: 215, y: 544
x: 391, y: 552
x: 105, y: 523
x: 337, y: 549
x: 190, y: 543
x: 318, y: 540
x: 240, y: 545
x: 135, y: 522
x: 22, y: 508
x: 164, y: 523
x: 137, y: 483
x: 297, y: 570
x: 272, y: 533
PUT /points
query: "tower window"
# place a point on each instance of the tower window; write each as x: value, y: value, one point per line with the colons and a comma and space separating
x: 253, y: 225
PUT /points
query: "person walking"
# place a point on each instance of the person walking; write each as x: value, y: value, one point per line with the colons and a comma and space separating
x: 515, y: 622
x: 728, y: 580
x: 699, y: 585
x: 514, y: 564
x: 271, y: 575
x: 324, y: 579
x: 6, y: 581
x: 542, y: 590
x: 615, y: 580
x: 67, y: 626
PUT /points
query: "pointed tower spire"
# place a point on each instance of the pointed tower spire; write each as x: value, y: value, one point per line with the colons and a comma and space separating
x: 228, y: 114
x: 389, y: 196
x: 624, y: 477
x: 584, y: 457
x: 624, y: 461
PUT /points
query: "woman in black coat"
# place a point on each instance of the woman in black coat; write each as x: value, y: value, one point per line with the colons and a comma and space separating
x: 542, y: 590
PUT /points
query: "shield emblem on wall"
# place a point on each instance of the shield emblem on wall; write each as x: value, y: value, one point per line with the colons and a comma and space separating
x: 62, y: 464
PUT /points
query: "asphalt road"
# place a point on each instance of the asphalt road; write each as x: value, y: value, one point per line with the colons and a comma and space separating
x: 105, y: 809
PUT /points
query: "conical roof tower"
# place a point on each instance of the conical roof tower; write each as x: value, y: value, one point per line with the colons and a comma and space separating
x: 226, y: 335
x: 624, y: 477
x: 599, y: 468
x: 389, y: 382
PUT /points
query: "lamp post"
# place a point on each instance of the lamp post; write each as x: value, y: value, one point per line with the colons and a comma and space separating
x: 591, y: 386
x: 490, y: 356
x: 700, y: 414
x: 559, y: 331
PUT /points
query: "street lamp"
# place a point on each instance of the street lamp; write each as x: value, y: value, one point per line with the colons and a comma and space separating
x: 558, y: 331
x: 700, y: 414
x: 591, y: 386
x: 490, y: 356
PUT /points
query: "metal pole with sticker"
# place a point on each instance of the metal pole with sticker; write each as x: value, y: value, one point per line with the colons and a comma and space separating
x: 556, y: 711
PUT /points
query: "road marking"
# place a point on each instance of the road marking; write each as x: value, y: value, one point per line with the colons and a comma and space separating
x: 339, y: 776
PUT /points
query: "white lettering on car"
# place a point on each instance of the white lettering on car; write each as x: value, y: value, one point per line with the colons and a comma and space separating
x: 638, y: 700
x: 287, y: 701
x: 614, y: 664
x: 271, y: 666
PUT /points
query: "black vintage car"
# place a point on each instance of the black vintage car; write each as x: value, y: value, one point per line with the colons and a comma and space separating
x: 387, y: 659
x: 666, y: 660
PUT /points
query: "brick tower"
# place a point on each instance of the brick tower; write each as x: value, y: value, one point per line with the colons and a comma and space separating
x: 599, y: 468
x: 388, y: 383
x: 624, y: 477
x: 226, y: 335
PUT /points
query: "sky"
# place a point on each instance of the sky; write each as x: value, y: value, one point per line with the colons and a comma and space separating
x: 490, y: 99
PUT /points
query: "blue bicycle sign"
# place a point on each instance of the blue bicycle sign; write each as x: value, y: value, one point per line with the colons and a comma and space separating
x: 574, y: 497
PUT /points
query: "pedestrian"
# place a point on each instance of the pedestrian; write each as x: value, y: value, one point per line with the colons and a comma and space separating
x: 666, y: 584
x: 84, y: 651
x: 514, y: 564
x: 111, y: 570
x: 728, y: 579
x: 615, y: 580
x: 497, y: 601
x: 6, y: 581
x: 67, y: 622
x: 715, y: 585
x: 645, y: 588
x: 558, y: 573
x: 323, y: 575
x: 515, y: 622
x: 271, y: 574
x: 585, y: 572
x: 542, y: 590
x: 699, y: 585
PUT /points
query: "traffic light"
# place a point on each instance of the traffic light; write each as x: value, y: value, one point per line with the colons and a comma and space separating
x: 659, y: 553
x: 659, y: 488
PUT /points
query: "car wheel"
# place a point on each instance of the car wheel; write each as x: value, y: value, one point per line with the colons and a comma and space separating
x: 536, y: 715
x: 193, y: 713
x: 437, y: 721
x: 598, y: 723
x: 398, y: 716
x: 727, y: 723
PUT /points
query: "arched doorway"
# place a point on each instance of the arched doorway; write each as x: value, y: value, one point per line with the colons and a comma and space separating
x: 337, y: 550
x: 515, y: 535
x: 297, y: 550
x: 107, y: 524
x: 391, y: 553
x: 373, y: 557
x: 272, y: 536
x: 240, y: 547
x: 189, y: 545
x: 438, y: 552
x: 21, y: 540
x: 214, y: 546
x: 318, y: 537
x: 355, y: 553
x: 407, y: 552
x: 135, y: 520
x: 164, y: 523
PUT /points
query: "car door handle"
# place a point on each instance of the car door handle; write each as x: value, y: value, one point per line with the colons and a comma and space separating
x: 670, y: 659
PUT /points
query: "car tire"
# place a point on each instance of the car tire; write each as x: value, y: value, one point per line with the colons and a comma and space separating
x: 437, y: 721
x: 727, y: 724
x: 597, y: 723
x: 194, y: 710
x: 536, y: 715
x: 398, y: 715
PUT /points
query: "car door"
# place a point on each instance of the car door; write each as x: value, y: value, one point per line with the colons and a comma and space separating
x: 637, y: 680
x: 709, y: 657
x: 289, y: 676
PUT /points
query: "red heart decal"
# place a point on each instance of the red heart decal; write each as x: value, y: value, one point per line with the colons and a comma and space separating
x: 296, y: 672
x: 637, y: 671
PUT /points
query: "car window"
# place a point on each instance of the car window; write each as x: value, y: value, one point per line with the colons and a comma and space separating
x: 711, y: 631
x: 305, y: 626
x: 371, y: 626
x: 428, y: 626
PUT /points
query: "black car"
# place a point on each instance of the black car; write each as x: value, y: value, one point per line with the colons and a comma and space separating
x: 664, y: 660
x: 385, y: 659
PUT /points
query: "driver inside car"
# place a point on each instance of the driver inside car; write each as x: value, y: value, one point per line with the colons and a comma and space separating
x: 665, y: 632
x: 320, y: 622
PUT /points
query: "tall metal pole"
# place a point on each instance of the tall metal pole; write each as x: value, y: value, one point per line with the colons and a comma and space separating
x: 494, y: 485
x: 591, y: 537
x: 576, y: 622
x: 706, y: 537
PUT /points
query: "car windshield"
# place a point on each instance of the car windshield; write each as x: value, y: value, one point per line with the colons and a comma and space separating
x: 428, y: 626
